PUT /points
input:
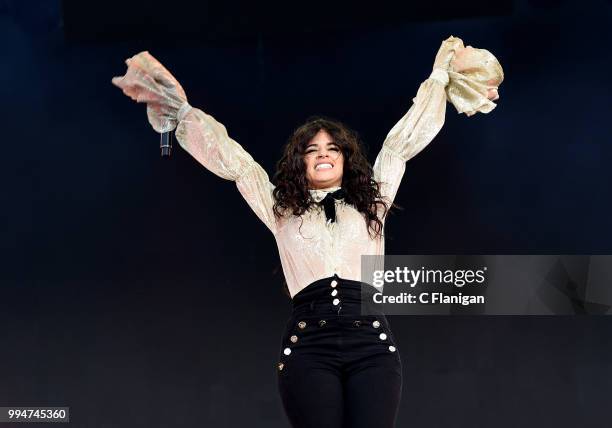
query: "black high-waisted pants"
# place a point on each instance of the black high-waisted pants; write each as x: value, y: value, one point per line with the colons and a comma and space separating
x: 336, y: 367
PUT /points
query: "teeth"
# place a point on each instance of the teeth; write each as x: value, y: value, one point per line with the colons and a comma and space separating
x: 323, y: 166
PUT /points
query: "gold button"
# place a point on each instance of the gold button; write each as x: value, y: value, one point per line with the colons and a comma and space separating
x: 280, y: 366
x: 382, y: 336
x: 322, y: 323
x: 302, y: 324
x: 376, y: 324
x: 294, y: 338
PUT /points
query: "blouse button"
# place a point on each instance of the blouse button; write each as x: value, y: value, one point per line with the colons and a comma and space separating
x: 392, y: 348
x: 333, y: 293
x: 280, y: 366
x: 334, y: 283
x: 322, y: 323
x: 376, y: 324
x: 382, y: 336
x: 294, y: 338
x: 336, y: 301
x: 302, y: 324
x: 357, y: 323
x: 287, y: 351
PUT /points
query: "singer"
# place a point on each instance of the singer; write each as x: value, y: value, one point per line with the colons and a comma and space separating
x: 326, y: 208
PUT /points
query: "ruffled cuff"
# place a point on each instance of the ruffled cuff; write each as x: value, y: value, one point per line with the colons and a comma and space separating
x: 440, y: 75
x: 183, y: 111
x: 468, y: 90
x: 148, y: 81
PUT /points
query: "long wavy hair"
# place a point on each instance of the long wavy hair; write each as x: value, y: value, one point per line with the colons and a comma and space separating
x: 363, y: 192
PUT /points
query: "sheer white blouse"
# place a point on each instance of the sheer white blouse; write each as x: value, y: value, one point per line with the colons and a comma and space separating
x: 318, y: 248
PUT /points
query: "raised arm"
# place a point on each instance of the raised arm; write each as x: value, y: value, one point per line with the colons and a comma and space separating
x: 208, y: 142
x: 467, y: 77
x: 148, y: 81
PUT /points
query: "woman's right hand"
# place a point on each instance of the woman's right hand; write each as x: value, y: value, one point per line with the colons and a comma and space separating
x: 148, y: 81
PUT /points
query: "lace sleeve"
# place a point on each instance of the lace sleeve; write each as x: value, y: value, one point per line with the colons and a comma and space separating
x: 208, y: 142
x: 148, y: 81
x: 467, y: 89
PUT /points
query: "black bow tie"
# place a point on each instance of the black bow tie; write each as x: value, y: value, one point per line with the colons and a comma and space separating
x: 329, y: 203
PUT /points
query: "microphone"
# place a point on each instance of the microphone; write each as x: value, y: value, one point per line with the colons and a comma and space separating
x: 165, y: 144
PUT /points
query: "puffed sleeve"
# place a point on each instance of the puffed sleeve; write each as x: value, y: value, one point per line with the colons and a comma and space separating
x: 467, y: 90
x: 148, y: 81
x: 208, y: 142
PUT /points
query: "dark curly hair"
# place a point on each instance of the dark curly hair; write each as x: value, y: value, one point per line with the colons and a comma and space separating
x: 291, y: 186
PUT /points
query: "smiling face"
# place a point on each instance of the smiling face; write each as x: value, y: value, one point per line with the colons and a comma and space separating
x: 324, y: 162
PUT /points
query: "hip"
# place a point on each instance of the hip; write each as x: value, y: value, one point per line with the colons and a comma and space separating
x: 334, y: 322
x: 337, y: 340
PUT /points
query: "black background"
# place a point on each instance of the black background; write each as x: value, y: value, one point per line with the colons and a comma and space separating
x: 143, y: 292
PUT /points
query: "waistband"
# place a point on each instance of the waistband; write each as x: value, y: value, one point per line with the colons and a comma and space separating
x: 336, y: 296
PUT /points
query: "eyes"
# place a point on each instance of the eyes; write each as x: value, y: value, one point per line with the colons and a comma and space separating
x: 313, y: 150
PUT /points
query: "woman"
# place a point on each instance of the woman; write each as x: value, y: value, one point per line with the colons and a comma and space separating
x: 336, y: 367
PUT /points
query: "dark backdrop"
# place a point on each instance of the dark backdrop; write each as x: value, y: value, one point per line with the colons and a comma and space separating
x: 143, y: 292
